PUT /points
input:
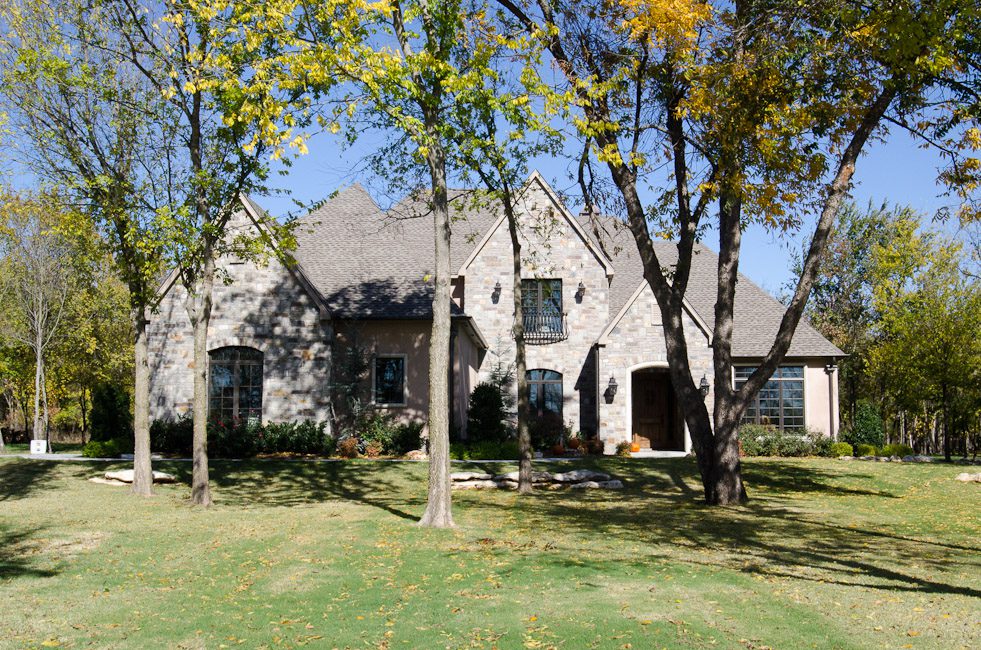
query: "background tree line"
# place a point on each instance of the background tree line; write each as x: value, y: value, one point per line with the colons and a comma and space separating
x: 899, y: 296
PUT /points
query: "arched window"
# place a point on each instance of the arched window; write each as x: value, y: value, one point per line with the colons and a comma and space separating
x: 545, y: 393
x: 235, y: 384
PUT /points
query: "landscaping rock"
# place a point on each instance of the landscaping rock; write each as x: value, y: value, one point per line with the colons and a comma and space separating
x: 967, y: 477
x: 608, y: 485
x: 476, y: 485
x: 536, y: 477
x: 105, y: 481
x: 846, y: 458
x: 416, y: 454
x: 580, y: 475
x: 126, y: 476
x: 919, y: 459
x: 470, y: 476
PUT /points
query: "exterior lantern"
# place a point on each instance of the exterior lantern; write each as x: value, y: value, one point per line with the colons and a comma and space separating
x: 703, y: 387
x: 611, y: 388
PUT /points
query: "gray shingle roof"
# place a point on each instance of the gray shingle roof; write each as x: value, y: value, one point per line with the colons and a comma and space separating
x: 757, y: 313
x: 372, y: 264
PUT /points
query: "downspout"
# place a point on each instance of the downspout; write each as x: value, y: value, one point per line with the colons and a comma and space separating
x: 452, y: 379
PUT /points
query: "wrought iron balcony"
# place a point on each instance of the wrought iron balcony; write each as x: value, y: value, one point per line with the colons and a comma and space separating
x: 542, y: 328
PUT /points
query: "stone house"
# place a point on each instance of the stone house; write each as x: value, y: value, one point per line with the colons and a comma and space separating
x: 596, y: 354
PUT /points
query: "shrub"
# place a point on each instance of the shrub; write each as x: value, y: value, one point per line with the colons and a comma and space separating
x: 375, y: 429
x: 623, y: 449
x: 839, y: 449
x: 170, y: 436
x: 306, y: 437
x: 546, y: 431
x: 406, y: 438
x: 867, y: 428
x: 485, y: 450
x: 459, y: 451
x: 101, y: 449
x: 487, y: 416
x: 348, y: 447
x: 110, y: 418
x: 759, y: 440
x: 896, y: 449
x: 864, y: 450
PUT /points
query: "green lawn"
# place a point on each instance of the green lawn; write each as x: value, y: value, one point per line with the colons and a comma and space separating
x: 828, y: 554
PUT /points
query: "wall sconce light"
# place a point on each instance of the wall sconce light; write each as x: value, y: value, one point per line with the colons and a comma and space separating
x: 830, y: 369
x: 496, y: 295
x: 581, y: 291
x: 611, y: 390
x: 703, y: 387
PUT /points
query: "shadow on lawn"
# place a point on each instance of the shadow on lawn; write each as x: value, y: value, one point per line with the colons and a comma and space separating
x: 390, y: 487
x: 16, y: 561
x: 19, y: 478
x: 767, y: 537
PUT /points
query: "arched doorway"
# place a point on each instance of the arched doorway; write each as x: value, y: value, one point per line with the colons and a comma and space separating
x: 656, y: 419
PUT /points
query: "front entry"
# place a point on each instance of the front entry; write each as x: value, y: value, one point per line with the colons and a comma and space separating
x: 657, y: 424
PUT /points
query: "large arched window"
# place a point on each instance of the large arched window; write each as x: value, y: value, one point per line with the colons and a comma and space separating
x: 235, y: 384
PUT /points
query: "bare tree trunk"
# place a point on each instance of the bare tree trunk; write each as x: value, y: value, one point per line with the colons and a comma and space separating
x: 142, y: 469
x: 38, y: 429
x: 199, y: 310
x: 946, y: 423
x: 83, y: 405
x: 525, y: 485
x: 439, y: 512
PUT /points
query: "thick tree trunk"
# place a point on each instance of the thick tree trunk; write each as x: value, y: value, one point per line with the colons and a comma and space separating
x: 525, y: 485
x: 438, y: 512
x: 142, y: 469
x: 199, y: 310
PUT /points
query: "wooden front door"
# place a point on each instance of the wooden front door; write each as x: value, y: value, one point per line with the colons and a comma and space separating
x: 653, y: 410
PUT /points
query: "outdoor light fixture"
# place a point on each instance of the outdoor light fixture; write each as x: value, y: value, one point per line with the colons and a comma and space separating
x: 496, y: 295
x: 611, y: 388
x: 830, y: 369
x: 581, y: 291
x: 703, y: 387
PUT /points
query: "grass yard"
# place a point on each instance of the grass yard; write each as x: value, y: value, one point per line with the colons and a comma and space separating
x: 828, y: 554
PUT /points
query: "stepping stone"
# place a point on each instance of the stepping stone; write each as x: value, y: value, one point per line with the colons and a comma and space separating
x: 470, y: 476
x: 580, y: 475
x: 606, y: 485
x: 126, y: 476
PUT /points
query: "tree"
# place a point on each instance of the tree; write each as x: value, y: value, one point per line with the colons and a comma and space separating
x: 762, y: 109
x: 931, y: 336
x: 151, y: 88
x: 35, y: 279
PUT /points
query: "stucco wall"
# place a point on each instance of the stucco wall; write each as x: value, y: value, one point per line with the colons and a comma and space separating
x: 637, y: 341
x: 551, y: 248
x: 818, y: 415
x: 264, y: 308
x: 411, y: 339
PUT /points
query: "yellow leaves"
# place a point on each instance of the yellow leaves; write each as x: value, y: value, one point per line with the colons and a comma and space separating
x: 672, y: 24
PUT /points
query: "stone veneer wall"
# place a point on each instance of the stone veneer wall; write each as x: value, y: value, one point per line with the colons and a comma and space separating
x: 638, y: 341
x: 551, y: 248
x: 264, y: 308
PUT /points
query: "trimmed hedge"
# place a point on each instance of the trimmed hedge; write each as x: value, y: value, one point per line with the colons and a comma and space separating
x: 485, y: 450
x: 758, y: 440
x: 896, y: 449
x: 243, y: 439
x: 840, y: 449
x: 864, y: 450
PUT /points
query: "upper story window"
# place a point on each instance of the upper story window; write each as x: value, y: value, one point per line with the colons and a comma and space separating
x: 235, y: 384
x: 780, y: 403
x: 541, y: 302
x: 389, y: 380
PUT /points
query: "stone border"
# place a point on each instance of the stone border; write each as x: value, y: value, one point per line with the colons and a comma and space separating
x: 911, y: 459
x: 576, y: 479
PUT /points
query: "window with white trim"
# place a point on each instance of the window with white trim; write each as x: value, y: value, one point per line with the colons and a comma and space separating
x: 389, y: 380
x: 780, y: 403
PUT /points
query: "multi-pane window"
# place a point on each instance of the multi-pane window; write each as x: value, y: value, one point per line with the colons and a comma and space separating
x: 389, y: 380
x: 545, y: 393
x: 235, y: 384
x: 541, y: 303
x: 780, y: 403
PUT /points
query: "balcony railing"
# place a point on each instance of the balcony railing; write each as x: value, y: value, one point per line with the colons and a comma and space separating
x: 544, y: 328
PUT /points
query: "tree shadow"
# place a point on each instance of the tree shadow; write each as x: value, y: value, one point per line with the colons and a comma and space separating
x: 767, y: 537
x: 19, y: 478
x: 396, y: 488
x: 16, y: 560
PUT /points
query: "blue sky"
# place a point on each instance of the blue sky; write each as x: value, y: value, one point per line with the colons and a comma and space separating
x: 896, y: 171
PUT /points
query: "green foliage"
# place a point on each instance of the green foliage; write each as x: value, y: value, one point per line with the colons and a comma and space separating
x: 758, y: 440
x: 103, y: 449
x: 111, y: 416
x: 867, y: 428
x: 486, y: 420
x: 840, y: 449
x: 896, y: 449
x: 863, y: 449
x: 406, y: 437
x: 485, y: 450
x: 623, y: 450
x: 243, y: 439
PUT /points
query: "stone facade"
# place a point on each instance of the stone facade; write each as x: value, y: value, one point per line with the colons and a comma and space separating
x: 265, y: 308
x: 636, y: 342
x: 552, y: 248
